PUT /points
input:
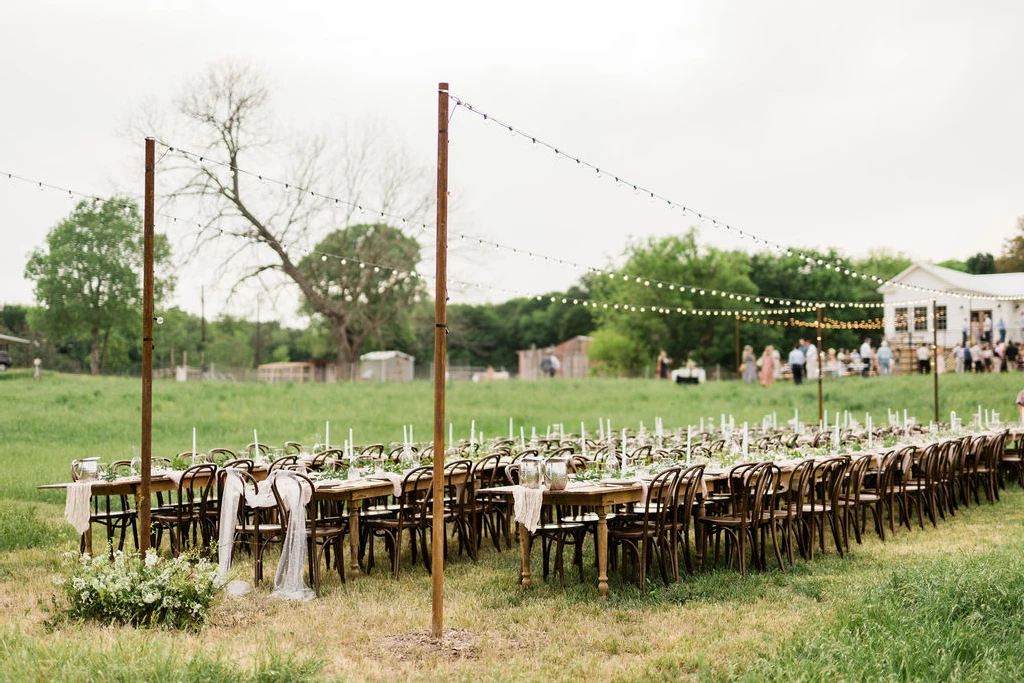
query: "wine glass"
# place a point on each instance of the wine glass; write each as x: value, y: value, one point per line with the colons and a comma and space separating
x: 136, y: 462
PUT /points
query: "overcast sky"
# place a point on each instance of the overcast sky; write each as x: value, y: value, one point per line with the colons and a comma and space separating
x: 873, y: 124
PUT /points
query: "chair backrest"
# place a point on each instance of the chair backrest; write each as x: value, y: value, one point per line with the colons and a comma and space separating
x: 996, y: 445
x: 226, y: 453
x: 858, y: 470
x: 293, y: 448
x: 458, y: 483
x: 801, y: 483
x: 246, y: 479
x: 641, y: 453
x: 282, y: 462
x: 325, y: 459
x: 924, y: 468
x: 485, y: 470
x: 417, y: 498
x: 303, y: 482
x: 195, y: 487
x: 829, y: 476
x: 525, y: 453
x: 689, y: 484
x: 748, y: 483
x: 251, y: 448
x: 662, y: 500
x: 240, y: 464
x: 374, y: 450
x: 512, y: 473
x: 194, y: 457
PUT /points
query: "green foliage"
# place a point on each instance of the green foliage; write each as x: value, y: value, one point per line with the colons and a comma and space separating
x: 958, y: 617
x: 651, y: 318
x: 87, y: 275
x: 22, y: 527
x: 981, y: 264
x: 359, y: 300
x: 125, y: 589
x: 614, y: 354
x: 1011, y: 259
x: 954, y: 264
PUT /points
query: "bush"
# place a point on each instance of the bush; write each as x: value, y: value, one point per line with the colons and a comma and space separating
x: 124, y: 589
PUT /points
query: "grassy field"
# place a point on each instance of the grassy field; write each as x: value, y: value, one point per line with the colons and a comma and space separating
x: 943, y: 604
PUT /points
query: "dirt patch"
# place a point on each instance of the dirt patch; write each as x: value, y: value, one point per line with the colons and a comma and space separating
x: 455, y: 643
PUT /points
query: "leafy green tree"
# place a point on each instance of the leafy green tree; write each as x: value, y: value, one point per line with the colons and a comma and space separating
x: 1011, y: 260
x: 358, y: 299
x: 654, y: 318
x: 981, y: 264
x: 87, y: 275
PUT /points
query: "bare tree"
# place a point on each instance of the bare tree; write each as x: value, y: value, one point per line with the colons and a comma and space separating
x: 263, y: 228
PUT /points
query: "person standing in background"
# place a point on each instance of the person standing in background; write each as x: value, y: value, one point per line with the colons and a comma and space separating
x: 986, y: 329
x: 866, y: 353
x: 884, y: 359
x: 965, y: 328
x: 958, y: 357
x: 1001, y: 328
x: 924, y: 365
x: 796, y: 364
x: 811, y: 360
x: 749, y: 365
x: 768, y: 366
x: 663, y: 365
x: 1011, y: 356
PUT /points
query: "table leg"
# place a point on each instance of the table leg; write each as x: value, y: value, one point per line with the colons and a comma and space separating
x: 698, y: 530
x: 602, y: 551
x: 353, y: 539
x: 525, y: 543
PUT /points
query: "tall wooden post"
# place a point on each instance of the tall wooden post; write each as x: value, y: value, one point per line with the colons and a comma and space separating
x: 935, y: 351
x: 142, y: 499
x: 821, y: 374
x: 739, y: 361
x: 440, y: 363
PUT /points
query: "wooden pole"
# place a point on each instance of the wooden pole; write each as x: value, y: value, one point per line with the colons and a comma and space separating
x: 440, y: 364
x: 935, y: 349
x: 739, y: 362
x: 821, y: 400
x: 142, y: 498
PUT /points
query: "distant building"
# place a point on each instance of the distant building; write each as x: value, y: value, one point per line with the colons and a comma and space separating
x: 274, y: 373
x: 959, y: 297
x: 573, y: 362
x: 386, y: 366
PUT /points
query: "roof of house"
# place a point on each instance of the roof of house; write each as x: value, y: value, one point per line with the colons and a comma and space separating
x: 995, y: 284
x: 385, y: 355
x: 15, y: 340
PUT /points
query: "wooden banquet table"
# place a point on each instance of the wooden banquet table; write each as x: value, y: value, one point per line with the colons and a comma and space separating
x: 349, y: 491
x: 596, y: 494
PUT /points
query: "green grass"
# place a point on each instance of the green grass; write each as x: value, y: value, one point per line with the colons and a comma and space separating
x: 942, y: 604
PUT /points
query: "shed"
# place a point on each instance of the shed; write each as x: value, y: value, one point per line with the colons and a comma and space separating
x: 386, y: 366
x: 571, y: 354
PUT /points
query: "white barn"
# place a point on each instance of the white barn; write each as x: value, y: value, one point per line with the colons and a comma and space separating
x: 959, y: 298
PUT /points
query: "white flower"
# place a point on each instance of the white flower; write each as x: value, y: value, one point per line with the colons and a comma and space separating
x: 152, y: 558
x: 149, y: 598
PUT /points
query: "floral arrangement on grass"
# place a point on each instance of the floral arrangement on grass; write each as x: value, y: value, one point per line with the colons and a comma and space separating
x: 124, y: 589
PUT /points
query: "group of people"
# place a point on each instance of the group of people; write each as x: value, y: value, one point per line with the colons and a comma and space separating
x: 806, y: 362
x: 803, y: 362
x: 981, y: 356
x: 980, y: 330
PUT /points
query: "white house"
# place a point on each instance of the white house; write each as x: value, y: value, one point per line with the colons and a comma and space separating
x: 959, y: 299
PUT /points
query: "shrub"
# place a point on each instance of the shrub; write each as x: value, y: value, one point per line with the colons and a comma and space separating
x: 124, y: 589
